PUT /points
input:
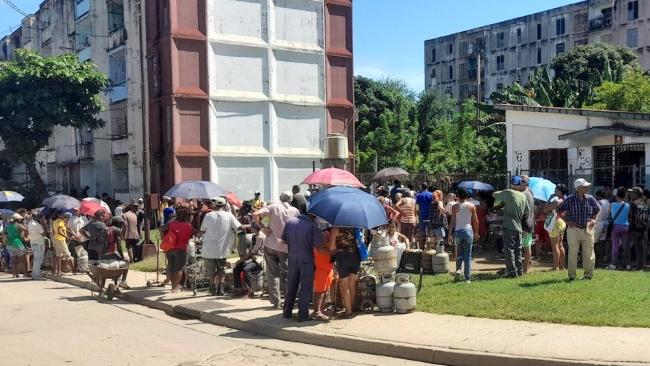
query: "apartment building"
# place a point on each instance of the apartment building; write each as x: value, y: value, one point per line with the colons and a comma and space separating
x: 104, y: 32
x: 240, y: 92
x: 244, y: 93
x: 511, y: 50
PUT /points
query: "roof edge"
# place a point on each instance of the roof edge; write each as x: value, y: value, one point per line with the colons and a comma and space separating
x: 576, y: 112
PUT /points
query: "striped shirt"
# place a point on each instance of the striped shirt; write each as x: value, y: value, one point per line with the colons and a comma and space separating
x: 580, y: 211
x: 406, y: 209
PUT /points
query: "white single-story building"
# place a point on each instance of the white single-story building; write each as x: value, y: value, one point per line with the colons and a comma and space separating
x: 608, y: 148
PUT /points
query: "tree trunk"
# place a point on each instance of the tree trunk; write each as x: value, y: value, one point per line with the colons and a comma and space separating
x: 40, y: 190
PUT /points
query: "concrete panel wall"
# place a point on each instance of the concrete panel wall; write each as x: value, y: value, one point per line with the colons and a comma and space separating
x: 267, y: 90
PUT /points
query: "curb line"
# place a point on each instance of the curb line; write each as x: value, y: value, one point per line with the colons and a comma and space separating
x: 444, y: 356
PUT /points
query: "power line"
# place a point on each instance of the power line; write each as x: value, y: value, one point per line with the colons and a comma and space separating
x: 15, y: 7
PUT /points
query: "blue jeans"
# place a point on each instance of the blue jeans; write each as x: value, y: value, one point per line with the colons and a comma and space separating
x: 464, y: 239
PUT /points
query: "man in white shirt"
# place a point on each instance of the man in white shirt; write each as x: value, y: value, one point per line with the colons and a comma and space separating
x: 218, y: 230
x: 276, y: 255
x: 37, y: 242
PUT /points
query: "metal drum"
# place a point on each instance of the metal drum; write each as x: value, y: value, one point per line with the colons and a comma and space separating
x: 404, y: 294
x: 385, y: 295
x: 426, y: 262
x: 440, y: 262
x: 385, y: 260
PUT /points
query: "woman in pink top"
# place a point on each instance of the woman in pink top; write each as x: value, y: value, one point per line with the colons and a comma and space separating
x: 408, y: 220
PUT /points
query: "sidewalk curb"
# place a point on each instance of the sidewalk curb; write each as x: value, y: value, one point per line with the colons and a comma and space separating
x: 444, y: 356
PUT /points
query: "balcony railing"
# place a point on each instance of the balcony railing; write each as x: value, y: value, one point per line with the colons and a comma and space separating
x: 601, y: 22
x: 119, y: 92
x: 82, y: 8
x: 117, y: 38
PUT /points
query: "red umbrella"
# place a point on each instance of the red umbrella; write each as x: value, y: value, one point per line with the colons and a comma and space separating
x: 233, y: 199
x: 89, y: 208
x: 333, y: 177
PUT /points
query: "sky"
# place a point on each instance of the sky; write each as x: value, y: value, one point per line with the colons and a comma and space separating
x: 389, y: 35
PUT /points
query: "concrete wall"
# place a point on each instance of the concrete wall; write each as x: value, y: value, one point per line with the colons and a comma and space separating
x: 267, y: 128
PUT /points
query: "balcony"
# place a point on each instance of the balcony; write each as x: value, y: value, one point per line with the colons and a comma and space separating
x: 119, y: 92
x: 117, y: 38
x: 602, y: 22
x: 86, y: 152
x: 82, y: 8
x: 85, y: 54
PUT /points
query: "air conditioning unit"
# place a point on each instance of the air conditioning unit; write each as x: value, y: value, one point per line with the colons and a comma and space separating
x: 337, y: 146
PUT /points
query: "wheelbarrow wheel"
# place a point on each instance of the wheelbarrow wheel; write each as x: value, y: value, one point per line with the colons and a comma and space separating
x: 110, y: 292
x: 149, y: 283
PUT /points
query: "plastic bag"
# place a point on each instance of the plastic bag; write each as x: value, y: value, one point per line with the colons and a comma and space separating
x: 361, y: 245
x: 551, y: 220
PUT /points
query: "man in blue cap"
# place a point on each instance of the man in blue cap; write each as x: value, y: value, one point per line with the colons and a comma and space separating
x: 515, y: 211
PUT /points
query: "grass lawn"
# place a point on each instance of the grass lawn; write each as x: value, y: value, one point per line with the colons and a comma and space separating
x: 612, y: 298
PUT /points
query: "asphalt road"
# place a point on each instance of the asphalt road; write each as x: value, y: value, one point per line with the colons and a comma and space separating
x: 49, y: 323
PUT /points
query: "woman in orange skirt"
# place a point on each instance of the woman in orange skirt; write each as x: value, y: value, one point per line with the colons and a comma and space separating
x: 323, y: 276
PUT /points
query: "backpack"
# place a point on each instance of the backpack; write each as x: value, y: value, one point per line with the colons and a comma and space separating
x: 640, y: 216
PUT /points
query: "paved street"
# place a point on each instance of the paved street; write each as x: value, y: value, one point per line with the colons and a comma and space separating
x: 49, y: 323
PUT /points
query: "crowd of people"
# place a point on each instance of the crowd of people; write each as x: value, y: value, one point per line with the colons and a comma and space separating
x: 302, y: 255
x: 28, y: 235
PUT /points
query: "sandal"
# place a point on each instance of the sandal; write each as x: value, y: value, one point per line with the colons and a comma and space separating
x: 320, y: 317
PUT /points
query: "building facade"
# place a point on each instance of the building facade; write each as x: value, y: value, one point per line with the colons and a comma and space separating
x: 240, y: 92
x: 105, y: 32
x: 510, y: 51
x: 244, y: 93
x: 610, y: 149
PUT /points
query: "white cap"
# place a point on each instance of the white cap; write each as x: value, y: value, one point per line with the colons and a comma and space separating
x: 219, y: 201
x: 580, y: 182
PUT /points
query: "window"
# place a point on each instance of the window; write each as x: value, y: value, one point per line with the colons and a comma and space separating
x: 633, y: 10
x: 539, y: 31
x: 560, y: 26
x: 433, y: 55
x: 633, y: 38
x: 501, y: 65
x: 448, y: 91
x: 451, y: 48
x: 539, y: 56
x: 451, y: 72
x: 501, y: 40
x: 560, y: 48
x: 551, y: 164
x: 518, y: 35
x: 433, y: 73
x: 499, y: 86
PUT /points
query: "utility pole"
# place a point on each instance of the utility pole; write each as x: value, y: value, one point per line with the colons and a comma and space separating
x: 478, y: 84
x: 146, y: 167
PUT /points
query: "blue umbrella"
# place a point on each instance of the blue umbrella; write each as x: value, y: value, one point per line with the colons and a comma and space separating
x: 6, y: 212
x: 348, y: 207
x: 195, y: 189
x: 61, y: 202
x: 541, y: 188
x: 476, y: 186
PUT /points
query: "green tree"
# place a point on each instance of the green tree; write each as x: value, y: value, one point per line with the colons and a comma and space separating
x: 386, y: 129
x: 578, y: 73
x: 594, y: 63
x: 632, y: 94
x: 39, y: 93
x: 433, y: 107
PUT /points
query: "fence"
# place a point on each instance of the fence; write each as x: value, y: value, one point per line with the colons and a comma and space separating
x: 445, y: 182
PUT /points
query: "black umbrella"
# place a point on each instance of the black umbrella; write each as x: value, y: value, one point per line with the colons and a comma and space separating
x: 390, y: 174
